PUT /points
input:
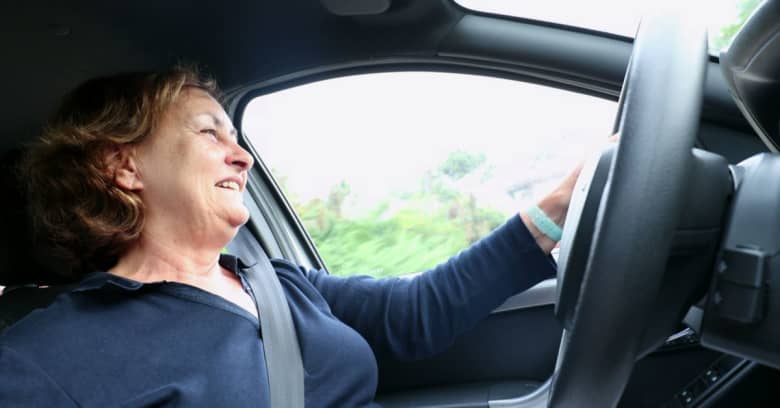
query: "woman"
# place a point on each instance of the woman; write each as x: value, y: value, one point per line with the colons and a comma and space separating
x: 137, y: 186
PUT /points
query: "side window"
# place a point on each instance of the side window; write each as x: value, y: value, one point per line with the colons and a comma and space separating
x: 393, y: 173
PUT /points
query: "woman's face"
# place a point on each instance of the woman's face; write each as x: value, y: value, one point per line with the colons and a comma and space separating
x: 192, y: 172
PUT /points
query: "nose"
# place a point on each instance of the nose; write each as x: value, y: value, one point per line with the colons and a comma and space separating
x: 240, y: 158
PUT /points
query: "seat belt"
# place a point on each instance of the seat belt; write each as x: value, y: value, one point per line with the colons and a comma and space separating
x: 280, y: 341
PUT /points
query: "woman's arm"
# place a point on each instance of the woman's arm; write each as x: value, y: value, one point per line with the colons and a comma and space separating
x: 412, y: 318
x: 25, y: 384
x: 417, y: 317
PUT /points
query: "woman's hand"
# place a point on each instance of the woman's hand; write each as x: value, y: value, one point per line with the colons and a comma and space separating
x: 555, y: 205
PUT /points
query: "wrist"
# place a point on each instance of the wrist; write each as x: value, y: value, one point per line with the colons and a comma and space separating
x: 546, y: 220
x: 555, y: 205
x: 544, y: 242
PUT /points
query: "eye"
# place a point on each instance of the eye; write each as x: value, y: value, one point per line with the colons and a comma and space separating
x: 211, y: 132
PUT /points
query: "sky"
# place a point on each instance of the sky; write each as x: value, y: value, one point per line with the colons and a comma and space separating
x: 613, y: 16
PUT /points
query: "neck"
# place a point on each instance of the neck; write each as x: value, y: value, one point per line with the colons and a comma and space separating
x: 157, y: 260
x: 172, y: 250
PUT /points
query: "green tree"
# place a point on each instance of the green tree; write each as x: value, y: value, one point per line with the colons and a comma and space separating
x: 406, y: 233
x: 460, y: 163
x: 462, y: 207
x: 727, y: 33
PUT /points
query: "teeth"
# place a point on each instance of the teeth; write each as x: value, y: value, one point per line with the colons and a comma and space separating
x: 228, y: 184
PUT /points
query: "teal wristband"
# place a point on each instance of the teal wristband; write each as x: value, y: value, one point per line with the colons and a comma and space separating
x: 544, y: 224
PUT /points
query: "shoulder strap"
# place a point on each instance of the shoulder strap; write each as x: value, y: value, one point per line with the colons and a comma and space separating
x: 280, y: 341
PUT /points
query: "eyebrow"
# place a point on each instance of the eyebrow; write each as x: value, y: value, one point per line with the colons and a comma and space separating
x: 233, y: 132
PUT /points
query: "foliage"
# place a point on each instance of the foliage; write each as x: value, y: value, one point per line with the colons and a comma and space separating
x: 407, y: 232
x: 726, y: 34
x: 461, y: 163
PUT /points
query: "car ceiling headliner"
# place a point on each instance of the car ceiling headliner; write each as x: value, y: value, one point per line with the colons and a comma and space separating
x: 52, y: 46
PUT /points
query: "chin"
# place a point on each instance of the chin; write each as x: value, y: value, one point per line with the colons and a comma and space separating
x: 239, y: 217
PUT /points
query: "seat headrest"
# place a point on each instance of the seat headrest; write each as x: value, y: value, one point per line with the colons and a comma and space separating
x: 20, y: 262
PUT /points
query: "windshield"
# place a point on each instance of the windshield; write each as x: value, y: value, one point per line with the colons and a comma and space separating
x: 722, y: 17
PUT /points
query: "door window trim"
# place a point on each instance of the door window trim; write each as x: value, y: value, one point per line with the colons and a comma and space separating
x: 265, y: 191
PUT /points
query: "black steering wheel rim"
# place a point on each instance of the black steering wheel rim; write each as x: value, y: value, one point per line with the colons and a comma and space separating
x: 636, y: 216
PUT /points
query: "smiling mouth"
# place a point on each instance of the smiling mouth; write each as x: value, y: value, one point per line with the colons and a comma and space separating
x: 230, y: 185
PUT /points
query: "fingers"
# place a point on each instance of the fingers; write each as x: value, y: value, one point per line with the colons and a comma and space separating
x: 571, y: 179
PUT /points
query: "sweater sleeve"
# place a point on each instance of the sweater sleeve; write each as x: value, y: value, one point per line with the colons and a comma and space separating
x: 412, y: 318
x: 25, y: 384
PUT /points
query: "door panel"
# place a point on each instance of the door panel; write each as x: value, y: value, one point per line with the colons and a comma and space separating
x: 517, y: 345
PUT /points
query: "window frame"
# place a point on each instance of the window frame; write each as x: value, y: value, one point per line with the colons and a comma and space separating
x: 284, y: 231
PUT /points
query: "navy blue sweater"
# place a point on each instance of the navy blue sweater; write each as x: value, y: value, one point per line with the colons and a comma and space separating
x: 117, y: 342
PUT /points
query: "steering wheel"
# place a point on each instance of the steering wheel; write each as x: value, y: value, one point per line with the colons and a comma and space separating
x: 623, y: 216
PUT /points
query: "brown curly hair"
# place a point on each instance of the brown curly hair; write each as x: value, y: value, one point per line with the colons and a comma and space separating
x: 79, y: 215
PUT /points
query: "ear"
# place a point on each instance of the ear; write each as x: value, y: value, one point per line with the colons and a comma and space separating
x: 123, y: 167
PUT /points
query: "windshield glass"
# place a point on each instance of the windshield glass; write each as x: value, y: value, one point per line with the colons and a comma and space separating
x: 722, y: 17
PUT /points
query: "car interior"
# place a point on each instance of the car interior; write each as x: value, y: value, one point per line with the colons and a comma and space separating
x: 666, y: 293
